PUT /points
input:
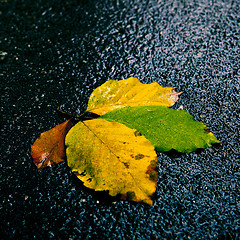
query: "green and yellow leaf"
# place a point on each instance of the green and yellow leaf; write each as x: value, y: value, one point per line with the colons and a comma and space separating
x: 108, y: 156
x: 129, y: 92
x: 164, y: 127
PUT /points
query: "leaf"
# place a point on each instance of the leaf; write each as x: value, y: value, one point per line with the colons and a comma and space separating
x: 129, y: 92
x: 108, y: 156
x: 110, y: 153
x: 165, y: 128
x: 49, y: 148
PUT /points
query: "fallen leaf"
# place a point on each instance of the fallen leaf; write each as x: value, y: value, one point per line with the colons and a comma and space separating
x: 164, y: 127
x: 129, y: 92
x: 49, y: 148
x: 108, y: 156
x: 115, y: 153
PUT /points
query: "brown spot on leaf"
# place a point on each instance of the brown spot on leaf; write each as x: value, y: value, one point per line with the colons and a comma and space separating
x: 126, y: 165
x: 153, y: 176
x: 137, y: 133
x: 82, y: 174
x: 139, y: 156
x: 152, y: 171
x: 206, y: 130
x: 131, y: 196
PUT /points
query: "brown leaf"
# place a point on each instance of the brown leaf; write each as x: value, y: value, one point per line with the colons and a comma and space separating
x: 49, y: 148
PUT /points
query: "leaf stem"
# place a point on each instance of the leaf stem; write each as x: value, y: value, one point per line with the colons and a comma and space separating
x: 65, y: 114
x: 78, y: 118
x: 81, y: 116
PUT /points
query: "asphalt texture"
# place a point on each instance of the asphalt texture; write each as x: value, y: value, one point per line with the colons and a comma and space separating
x: 55, y: 53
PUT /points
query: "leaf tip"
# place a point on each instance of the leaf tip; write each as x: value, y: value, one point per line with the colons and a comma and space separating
x: 174, y: 95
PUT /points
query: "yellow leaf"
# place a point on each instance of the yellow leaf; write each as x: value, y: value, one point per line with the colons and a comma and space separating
x: 108, y: 156
x: 129, y: 92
